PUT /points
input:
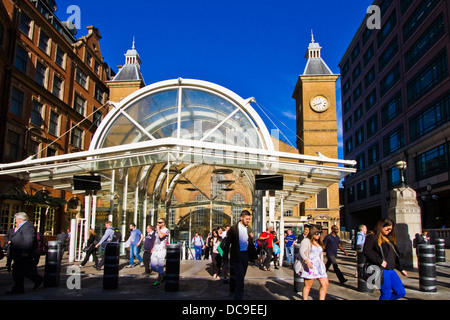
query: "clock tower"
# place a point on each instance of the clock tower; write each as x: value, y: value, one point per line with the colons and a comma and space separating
x: 315, y: 96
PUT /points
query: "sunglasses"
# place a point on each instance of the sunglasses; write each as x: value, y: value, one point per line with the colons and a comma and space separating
x: 318, y: 233
x: 160, y: 221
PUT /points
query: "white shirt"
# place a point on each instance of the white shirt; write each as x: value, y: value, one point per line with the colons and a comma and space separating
x: 243, y: 237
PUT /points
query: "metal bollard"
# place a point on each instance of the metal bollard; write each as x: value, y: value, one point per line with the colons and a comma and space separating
x: 299, y: 282
x: 53, y: 263
x: 111, y: 268
x: 172, y: 268
x: 427, y: 267
x: 440, y: 250
x: 361, y: 259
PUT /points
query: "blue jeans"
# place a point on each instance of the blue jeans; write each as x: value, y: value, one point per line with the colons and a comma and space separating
x: 392, y: 288
x: 198, y: 253
x: 290, y: 250
x: 134, y: 252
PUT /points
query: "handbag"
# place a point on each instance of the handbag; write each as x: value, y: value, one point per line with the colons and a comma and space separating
x: 219, y: 249
x: 372, y: 272
x: 276, y: 249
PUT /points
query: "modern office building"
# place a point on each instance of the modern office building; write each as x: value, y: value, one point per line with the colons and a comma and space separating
x: 53, y: 94
x: 396, y: 106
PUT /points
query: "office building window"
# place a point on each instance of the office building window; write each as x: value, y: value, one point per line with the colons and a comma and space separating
x: 41, y: 73
x: 433, y: 162
x: 347, y: 105
x: 387, y: 28
x: 60, y: 57
x: 373, y: 154
x: 368, y: 55
x: 348, y: 124
x: 393, y: 141
x: 351, y: 194
x: 358, y: 113
x: 428, y: 78
x: 430, y: 118
x: 355, y: 52
x: 349, y: 145
x: 359, y: 136
x: 393, y: 177
x: 81, y: 78
x: 374, y: 185
x: 98, y: 94
x: 361, y: 162
x: 357, y: 92
x: 418, y: 17
x: 372, y: 125
x: 356, y: 72
x: 391, y: 109
x: 428, y: 39
x: 371, y: 99
x: 57, y: 87
x: 44, y: 42
x: 361, y: 191
x: 390, y: 80
x: 79, y: 104
x: 369, y: 78
x: 388, y: 54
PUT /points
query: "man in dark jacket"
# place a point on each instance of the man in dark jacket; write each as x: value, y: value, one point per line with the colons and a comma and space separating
x: 239, y: 245
x: 23, y: 250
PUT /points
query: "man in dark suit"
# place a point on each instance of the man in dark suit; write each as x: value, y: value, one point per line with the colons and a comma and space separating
x: 241, y: 248
x: 23, y: 250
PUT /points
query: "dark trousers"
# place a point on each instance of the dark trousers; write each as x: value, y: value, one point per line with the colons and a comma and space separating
x: 147, y: 257
x: 268, y: 259
x: 238, y: 272
x: 216, y: 262
x: 91, y: 251
x: 332, y: 261
x: 24, y: 267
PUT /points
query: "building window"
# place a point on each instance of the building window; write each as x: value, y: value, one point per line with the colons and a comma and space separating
x: 60, y: 57
x: 387, y: 28
x: 76, y: 137
x: 322, y: 199
x: 81, y: 78
x: 40, y: 74
x: 361, y: 162
x: 394, y: 178
x: 21, y: 60
x: 418, y: 17
x: 356, y: 72
x: 372, y: 125
x: 12, y: 145
x: 53, y: 123
x: 351, y: 194
x: 17, y: 98
x: 97, y: 68
x: 428, y: 78
x: 33, y: 148
x: 433, y: 162
x: 393, y: 141
x: 428, y: 39
x: 357, y: 92
x: 36, y: 113
x: 51, y: 152
x: 348, y: 124
x: 359, y: 136
x: 373, y: 154
x: 347, y: 106
x: 25, y: 24
x: 388, y: 54
x: 374, y: 185
x: 44, y: 42
x: 371, y: 99
x: 358, y: 113
x: 8, y: 210
x: 430, y: 118
x: 368, y: 55
x: 355, y: 52
x: 346, y: 87
x: 369, y: 77
x: 361, y: 191
x: 88, y: 59
x: 57, y: 87
x: 79, y: 104
x: 390, y: 80
x: 391, y: 109
x: 345, y: 69
x: 405, y: 5
x: 348, y: 145
x: 98, y: 94
x: 237, y: 205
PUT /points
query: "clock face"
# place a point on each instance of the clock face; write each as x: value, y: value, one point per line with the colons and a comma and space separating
x: 319, y: 103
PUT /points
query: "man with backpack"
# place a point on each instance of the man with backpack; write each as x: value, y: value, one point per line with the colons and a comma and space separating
x: 111, y: 235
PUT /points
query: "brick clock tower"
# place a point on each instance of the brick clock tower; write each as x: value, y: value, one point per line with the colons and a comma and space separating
x: 315, y: 95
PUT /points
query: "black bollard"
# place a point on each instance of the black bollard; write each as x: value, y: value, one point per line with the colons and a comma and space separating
x: 361, y: 259
x: 299, y: 282
x: 427, y: 267
x: 111, y: 268
x: 53, y: 263
x: 440, y: 249
x: 172, y: 268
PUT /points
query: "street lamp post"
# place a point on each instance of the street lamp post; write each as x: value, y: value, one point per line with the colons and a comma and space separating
x: 401, y: 165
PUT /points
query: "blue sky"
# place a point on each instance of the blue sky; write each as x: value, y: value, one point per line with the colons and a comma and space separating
x: 255, y: 48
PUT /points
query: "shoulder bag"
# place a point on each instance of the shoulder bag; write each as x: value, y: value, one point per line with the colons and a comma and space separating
x: 372, y: 271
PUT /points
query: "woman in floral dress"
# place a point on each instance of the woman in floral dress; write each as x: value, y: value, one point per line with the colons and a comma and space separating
x: 311, y: 264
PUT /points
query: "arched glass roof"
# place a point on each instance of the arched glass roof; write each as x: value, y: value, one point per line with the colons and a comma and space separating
x: 187, y: 110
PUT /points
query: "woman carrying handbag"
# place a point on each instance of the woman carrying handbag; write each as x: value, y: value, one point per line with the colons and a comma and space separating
x: 383, y: 238
x: 309, y: 263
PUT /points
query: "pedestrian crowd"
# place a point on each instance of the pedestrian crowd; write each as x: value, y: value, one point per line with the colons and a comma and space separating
x: 229, y: 248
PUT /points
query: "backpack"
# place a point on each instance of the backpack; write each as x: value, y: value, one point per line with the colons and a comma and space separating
x: 117, y: 236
